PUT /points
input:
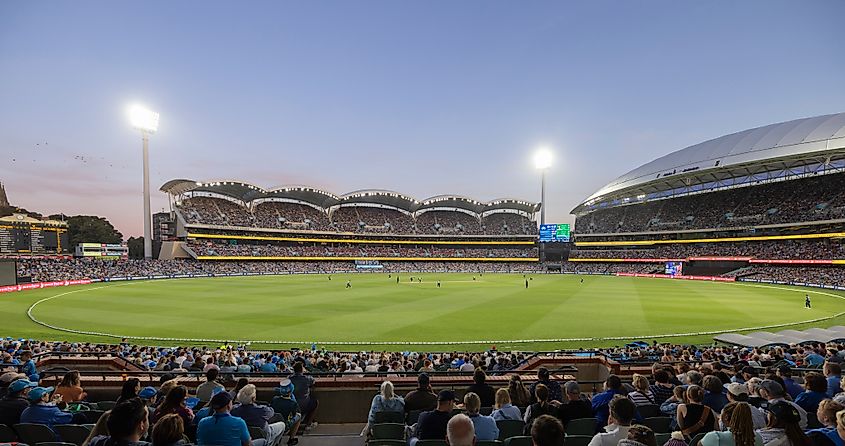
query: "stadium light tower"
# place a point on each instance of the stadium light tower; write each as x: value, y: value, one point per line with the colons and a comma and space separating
x: 147, y: 122
x: 542, y: 161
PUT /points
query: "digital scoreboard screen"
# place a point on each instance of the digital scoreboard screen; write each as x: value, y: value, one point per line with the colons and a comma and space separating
x: 23, y: 235
x: 554, y: 232
x: 675, y: 268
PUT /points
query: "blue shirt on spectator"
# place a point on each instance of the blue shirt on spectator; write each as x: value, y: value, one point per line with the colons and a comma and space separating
x: 833, y: 385
x: 43, y: 413
x: 792, y: 388
x: 222, y: 429
x: 507, y: 412
x: 601, y: 405
x: 485, y: 427
x: 814, y: 359
x: 809, y: 401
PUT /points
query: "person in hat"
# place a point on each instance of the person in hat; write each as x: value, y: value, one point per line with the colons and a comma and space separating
x: 43, y: 410
x: 738, y: 393
x: 15, y: 401
x: 206, y: 411
x: 257, y: 415
x: 284, y: 404
x: 223, y: 429
x: 6, y: 379
x: 773, y: 393
x: 783, y: 428
x: 421, y: 398
x: 432, y: 424
x: 126, y: 423
x: 28, y: 368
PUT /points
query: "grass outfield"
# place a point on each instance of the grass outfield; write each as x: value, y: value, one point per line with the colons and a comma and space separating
x: 376, y: 309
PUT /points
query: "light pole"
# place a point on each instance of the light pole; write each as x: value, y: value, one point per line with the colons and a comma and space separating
x: 542, y: 161
x: 147, y: 122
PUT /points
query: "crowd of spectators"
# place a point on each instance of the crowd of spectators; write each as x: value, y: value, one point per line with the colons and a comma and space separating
x: 799, y: 200
x: 806, y: 249
x: 821, y: 275
x: 355, y: 219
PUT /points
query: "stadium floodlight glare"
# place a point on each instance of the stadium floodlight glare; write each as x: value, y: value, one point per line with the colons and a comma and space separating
x: 543, y: 159
x: 143, y: 119
x: 147, y: 122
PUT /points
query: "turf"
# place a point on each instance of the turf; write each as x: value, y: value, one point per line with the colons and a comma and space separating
x: 302, y: 309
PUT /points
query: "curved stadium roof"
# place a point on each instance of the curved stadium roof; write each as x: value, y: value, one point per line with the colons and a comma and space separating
x: 246, y: 192
x: 713, y: 163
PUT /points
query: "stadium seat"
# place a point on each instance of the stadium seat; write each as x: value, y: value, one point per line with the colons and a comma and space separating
x: 256, y: 432
x: 106, y: 405
x: 7, y: 434
x: 510, y: 428
x: 30, y: 433
x: 519, y: 441
x: 390, y: 417
x: 577, y: 440
x: 93, y: 415
x: 660, y: 425
x: 414, y: 416
x: 486, y: 411
x: 581, y: 426
x: 695, y: 440
x: 389, y: 431
x: 72, y: 433
x: 649, y: 411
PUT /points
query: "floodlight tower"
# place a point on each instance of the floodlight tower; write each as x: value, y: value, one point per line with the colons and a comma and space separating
x: 542, y: 161
x: 147, y: 122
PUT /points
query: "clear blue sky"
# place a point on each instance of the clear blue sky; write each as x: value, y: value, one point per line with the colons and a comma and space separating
x: 424, y: 98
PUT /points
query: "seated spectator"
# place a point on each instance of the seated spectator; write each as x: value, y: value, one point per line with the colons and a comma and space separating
x: 662, y: 387
x: 714, y: 396
x: 575, y: 406
x: 432, y: 424
x: 543, y: 377
x: 7, y: 378
x: 485, y: 391
x: 100, y: 429
x: 204, y: 390
x: 285, y: 406
x: 28, y: 368
x: 127, y: 423
x: 302, y: 386
x: 385, y: 401
x: 421, y: 398
x: 547, y: 431
x: 738, y: 393
x: 169, y: 431
x: 206, y: 410
x: 15, y: 401
x: 504, y: 409
x: 601, y: 401
x: 129, y: 390
x: 223, y: 429
x: 520, y: 396
x: 772, y: 393
x: 783, y: 428
x: 175, y: 402
x: 642, y: 395
x: 257, y: 415
x: 621, y: 413
x: 43, y: 410
x: 738, y: 428
x: 792, y: 388
x: 238, y: 386
x: 70, y: 389
x: 815, y: 386
x: 460, y: 431
x: 827, y: 417
x: 693, y: 416
x: 485, y: 426
x: 541, y: 407
x: 833, y: 373
x: 639, y: 435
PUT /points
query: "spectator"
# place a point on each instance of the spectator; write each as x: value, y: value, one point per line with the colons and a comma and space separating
x: 541, y: 407
x: 782, y: 428
x: 15, y: 401
x: 601, y: 401
x: 575, y: 406
x: 422, y: 398
x: 223, y: 429
x: 127, y: 423
x: 815, y: 386
x: 100, y: 429
x: 28, y: 367
x: 833, y: 372
x: 792, y: 388
x: 693, y: 416
x: 827, y: 417
x: 504, y: 409
x: 302, y: 388
x: 484, y: 391
x: 42, y: 409
x: 460, y: 431
x: 621, y: 413
x: 485, y: 426
x: 543, y: 377
x: 826, y: 413
x: 285, y: 406
x: 206, y: 410
x: 385, y: 401
x: 204, y: 390
x: 70, y: 389
x: 238, y: 386
x: 175, y: 402
x: 130, y: 390
x: 714, y: 396
x: 169, y: 431
x: 547, y: 431
x: 520, y: 396
x: 257, y: 415
x: 738, y: 393
x: 7, y: 378
x: 773, y: 393
x: 432, y: 424
x: 642, y: 395
x: 739, y: 428
x: 662, y: 388
x: 639, y: 435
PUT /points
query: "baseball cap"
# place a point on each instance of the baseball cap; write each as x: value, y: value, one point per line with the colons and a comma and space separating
x: 446, y: 395
x: 38, y: 392
x: 773, y: 387
x: 220, y: 400
x: 285, y: 387
x: 785, y: 412
x: 20, y: 384
x: 191, y: 402
x: 737, y: 389
x: 147, y: 392
x: 217, y: 390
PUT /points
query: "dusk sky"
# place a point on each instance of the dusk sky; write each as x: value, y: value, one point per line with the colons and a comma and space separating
x: 424, y: 98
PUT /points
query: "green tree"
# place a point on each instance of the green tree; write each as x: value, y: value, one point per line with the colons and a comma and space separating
x: 91, y: 229
x: 136, y: 247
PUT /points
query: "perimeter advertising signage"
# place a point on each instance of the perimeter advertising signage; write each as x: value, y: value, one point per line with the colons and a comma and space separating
x: 550, y: 233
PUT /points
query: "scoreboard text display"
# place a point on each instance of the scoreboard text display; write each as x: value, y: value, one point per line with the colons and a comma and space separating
x: 554, y: 232
x: 26, y: 237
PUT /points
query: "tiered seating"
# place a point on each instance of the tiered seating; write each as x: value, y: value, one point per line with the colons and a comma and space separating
x: 447, y: 222
x: 807, y: 249
x: 508, y: 224
x: 295, y: 216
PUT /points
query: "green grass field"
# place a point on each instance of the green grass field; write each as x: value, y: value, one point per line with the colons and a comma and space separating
x: 302, y: 309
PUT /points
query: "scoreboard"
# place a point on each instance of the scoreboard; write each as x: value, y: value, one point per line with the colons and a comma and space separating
x: 22, y: 234
x: 550, y: 233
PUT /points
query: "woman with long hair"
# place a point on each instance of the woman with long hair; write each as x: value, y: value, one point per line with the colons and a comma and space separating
x: 169, y: 431
x: 642, y: 395
x: 130, y: 389
x: 70, y: 388
x: 520, y: 396
x: 738, y: 428
x: 174, y: 402
x: 693, y: 416
x: 242, y: 382
x: 504, y: 409
x: 541, y: 407
x: 783, y: 428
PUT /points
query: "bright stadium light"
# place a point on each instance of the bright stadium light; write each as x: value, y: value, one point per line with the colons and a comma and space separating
x: 543, y: 159
x: 143, y: 119
x: 147, y: 122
